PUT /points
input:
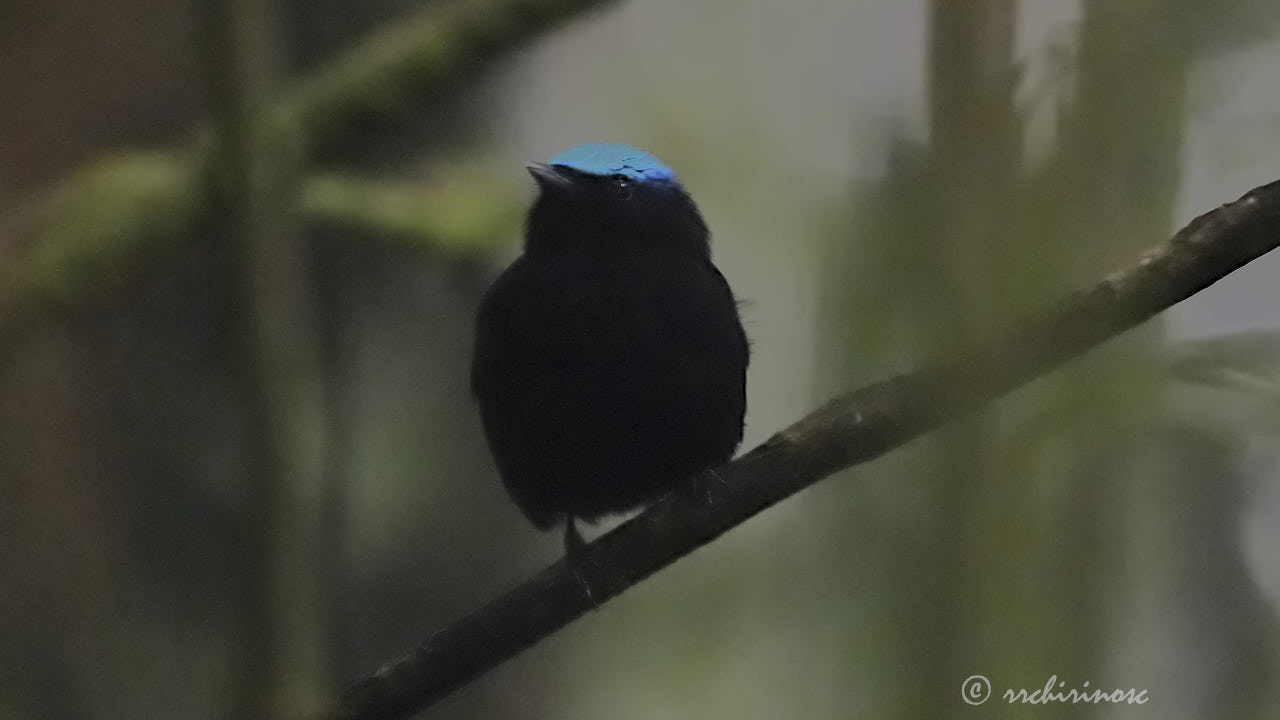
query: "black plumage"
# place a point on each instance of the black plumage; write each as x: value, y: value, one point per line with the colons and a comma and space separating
x: 610, y: 362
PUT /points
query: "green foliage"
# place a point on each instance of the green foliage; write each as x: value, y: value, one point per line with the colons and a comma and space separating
x: 111, y: 218
x: 101, y: 231
x: 464, y: 216
x: 107, y: 220
x: 387, y: 77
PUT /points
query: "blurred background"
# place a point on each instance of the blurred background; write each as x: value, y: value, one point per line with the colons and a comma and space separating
x: 241, y: 247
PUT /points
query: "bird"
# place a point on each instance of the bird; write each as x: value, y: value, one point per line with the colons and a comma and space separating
x: 610, y: 360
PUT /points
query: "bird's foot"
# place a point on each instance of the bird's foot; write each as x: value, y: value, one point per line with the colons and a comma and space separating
x: 578, y: 559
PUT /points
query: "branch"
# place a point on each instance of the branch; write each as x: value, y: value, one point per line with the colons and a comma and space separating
x: 417, y: 57
x: 846, y: 431
x: 463, y: 213
x: 109, y: 226
x: 104, y: 222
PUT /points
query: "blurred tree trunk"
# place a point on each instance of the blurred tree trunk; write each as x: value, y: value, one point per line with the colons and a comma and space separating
x: 1112, y: 181
x: 1005, y: 535
x: 973, y: 167
x: 277, y: 366
x: 1157, y: 485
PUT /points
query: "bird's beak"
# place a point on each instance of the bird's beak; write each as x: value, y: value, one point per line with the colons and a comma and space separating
x: 548, y: 177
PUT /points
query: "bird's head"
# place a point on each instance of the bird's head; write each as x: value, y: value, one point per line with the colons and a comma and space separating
x: 609, y: 195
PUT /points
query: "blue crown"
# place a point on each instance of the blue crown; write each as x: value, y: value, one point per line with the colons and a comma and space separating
x: 613, y: 159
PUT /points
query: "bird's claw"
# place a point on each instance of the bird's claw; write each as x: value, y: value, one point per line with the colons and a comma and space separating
x: 578, y: 559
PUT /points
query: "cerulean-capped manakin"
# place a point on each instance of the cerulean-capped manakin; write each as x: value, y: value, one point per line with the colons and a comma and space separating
x: 610, y: 363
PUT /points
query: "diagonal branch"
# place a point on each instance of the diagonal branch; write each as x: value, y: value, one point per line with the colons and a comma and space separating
x: 846, y: 431
x: 417, y: 59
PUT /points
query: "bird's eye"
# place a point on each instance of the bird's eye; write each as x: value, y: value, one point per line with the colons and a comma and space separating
x: 622, y: 184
